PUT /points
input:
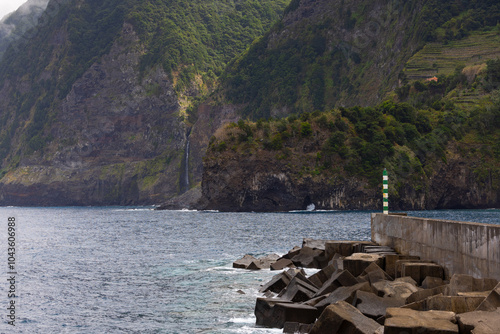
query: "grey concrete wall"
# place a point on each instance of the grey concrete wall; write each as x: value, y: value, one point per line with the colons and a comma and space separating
x: 460, y: 247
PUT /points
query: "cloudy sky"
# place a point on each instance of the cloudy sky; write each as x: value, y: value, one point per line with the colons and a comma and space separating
x: 7, y: 6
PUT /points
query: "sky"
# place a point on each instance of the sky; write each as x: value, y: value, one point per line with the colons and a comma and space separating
x: 8, y: 6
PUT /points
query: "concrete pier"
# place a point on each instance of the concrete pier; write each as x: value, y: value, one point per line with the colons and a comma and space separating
x: 460, y: 247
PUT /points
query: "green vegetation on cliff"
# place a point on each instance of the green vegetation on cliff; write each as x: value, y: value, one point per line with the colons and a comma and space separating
x: 346, y: 54
x: 411, y: 139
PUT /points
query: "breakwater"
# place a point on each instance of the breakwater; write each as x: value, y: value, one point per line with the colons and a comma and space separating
x: 371, y: 287
x: 460, y: 247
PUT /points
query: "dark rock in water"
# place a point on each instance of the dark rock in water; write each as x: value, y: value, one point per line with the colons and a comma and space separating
x: 342, y: 317
x: 244, y: 262
x: 401, y: 320
x: 241, y: 292
x: 264, y: 311
x: 480, y: 322
x: 492, y: 302
x: 374, y: 306
x: 276, y: 312
x: 263, y: 262
x: 282, y: 263
x: 358, y: 262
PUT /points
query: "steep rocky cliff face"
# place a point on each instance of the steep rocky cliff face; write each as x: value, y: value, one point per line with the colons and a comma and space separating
x: 262, y: 182
x: 116, y: 138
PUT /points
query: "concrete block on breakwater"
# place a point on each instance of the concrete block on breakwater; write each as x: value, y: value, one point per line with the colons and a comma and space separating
x: 426, y: 288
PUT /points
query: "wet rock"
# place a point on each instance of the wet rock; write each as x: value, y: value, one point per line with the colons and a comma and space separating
x: 401, y: 320
x: 264, y: 311
x: 342, y: 317
x: 276, y: 314
x: 358, y: 262
x: 244, y: 262
x: 479, y: 322
x: 282, y: 264
x: 420, y: 270
x: 374, y: 306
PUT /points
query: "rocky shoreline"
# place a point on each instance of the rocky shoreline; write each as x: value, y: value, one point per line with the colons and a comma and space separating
x: 361, y: 287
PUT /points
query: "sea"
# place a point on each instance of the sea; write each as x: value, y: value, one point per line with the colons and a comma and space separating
x: 138, y: 270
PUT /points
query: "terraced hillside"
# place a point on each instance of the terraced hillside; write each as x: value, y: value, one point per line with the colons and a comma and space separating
x: 438, y: 58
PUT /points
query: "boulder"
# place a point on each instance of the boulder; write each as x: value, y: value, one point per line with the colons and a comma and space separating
x: 282, y: 264
x: 399, y: 265
x: 479, y: 322
x: 358, y: 262
x: 401, y: 320
x: 342, y: 317
x: 374, y: 306
x: 244, y: 262
x: 492, y: 302
x: 400, y: 289
x: 338, y: 279
x: 275, y: 314
x: 344, y: 293
x: 307, y: 257
x: 465, y: 283
x: 420, y: 270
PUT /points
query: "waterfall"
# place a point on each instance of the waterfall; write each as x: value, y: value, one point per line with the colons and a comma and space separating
x: 186, y: 166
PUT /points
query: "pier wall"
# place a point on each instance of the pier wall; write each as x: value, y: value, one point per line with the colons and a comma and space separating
x: 460, y: 247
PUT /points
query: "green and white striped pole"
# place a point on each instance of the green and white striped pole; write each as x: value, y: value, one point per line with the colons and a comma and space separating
x: 386, y: 192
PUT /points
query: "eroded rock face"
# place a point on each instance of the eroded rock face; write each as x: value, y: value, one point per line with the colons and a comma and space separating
x: 261, y: 182
x: 116, y: 138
